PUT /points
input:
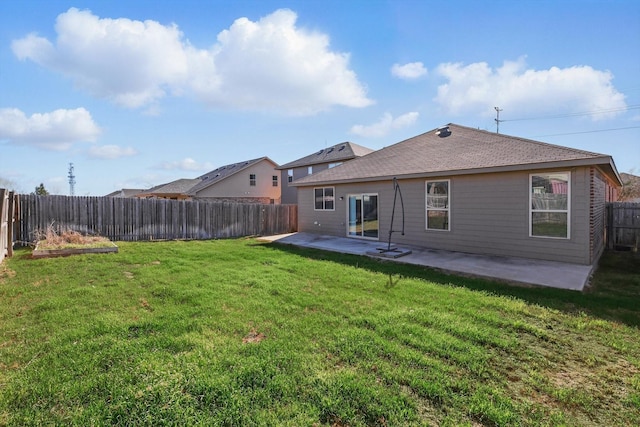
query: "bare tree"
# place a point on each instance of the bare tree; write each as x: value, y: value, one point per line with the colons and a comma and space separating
x: 630, y: 187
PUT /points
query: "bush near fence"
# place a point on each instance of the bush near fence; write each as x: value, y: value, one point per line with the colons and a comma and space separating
x: 132, y: 219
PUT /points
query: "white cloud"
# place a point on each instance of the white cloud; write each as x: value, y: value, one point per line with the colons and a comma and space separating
x: 268, y: 65
x: 385, y: 125
x: 477, y: 88
x: 186, y: 164
x: 111, y: 152
x: 410, y: 71
x: 57, y: 130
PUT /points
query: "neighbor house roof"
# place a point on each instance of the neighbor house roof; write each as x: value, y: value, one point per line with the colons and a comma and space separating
x: 334, y: 154
x: 218, y: 174
x: 455, y: 150
x: 125, y: 192
x: 177, y: 187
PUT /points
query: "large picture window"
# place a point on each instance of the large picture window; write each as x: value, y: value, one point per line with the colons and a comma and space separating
x: 324, y: 199
x: 438, y: 198
x: 550, y: 195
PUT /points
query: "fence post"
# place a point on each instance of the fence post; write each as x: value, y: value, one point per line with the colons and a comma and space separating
x: 10, y: 218
x: 609, y: 234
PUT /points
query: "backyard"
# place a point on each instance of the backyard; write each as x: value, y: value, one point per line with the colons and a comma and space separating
x: 240, y: 333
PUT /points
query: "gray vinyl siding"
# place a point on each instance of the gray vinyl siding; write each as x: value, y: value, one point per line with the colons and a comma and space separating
x: 489, y: 214
x: 288, y: 191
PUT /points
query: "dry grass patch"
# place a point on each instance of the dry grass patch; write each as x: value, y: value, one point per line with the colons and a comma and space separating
x: 68, y: 239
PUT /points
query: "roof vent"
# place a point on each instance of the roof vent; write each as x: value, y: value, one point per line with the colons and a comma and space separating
x: 320, y: 152
x: 443, y: 131
x: 329, y: 150
x: 341, y: 148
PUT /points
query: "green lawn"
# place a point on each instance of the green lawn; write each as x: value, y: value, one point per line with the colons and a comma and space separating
x: 238, y: 332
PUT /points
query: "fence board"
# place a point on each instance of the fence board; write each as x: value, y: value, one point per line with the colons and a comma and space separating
x: 4, y: 223
x: 128, y: 219
x: 624, y: 225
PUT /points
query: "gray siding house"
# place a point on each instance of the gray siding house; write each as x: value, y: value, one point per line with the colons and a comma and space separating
x: 323, y: 159
x: 472, y: 191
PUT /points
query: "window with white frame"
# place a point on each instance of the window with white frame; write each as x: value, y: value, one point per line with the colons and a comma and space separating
x: 323, y: 198
x: 252, y: 179
x: 289, y: 175
x: 438, y: 198
x: 550, y: 203
x: 274, y: 180
x: 309, y: 170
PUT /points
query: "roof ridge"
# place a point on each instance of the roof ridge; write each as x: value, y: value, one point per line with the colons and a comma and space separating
x: 528, y: 140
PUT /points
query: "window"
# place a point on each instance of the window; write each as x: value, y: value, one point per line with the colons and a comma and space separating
x: 550, y: 195
x: 333, y: 165
x: 309, y: 170
x: 437, y: 195
x: 323, y: 198
x: 290, y: 175
x: 274, y: 180
x: 252, y: 179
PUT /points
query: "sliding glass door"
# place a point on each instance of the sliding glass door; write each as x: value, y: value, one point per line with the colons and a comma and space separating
x: 363, y: 216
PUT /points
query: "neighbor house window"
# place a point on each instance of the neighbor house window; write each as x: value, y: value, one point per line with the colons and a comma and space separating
x: 309, y: 170
x: 323, y: 198
x: 550, y: 195
x: 252, y: 179
x: 333, y: 165
x: 275, y: 180
x: 438, y: 197
x: 290, y: 175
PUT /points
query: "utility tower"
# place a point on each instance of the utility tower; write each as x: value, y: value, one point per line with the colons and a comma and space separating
x: 72, y: 180
x: 497, y: 119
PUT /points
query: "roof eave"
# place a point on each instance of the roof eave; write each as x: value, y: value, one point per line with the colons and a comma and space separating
x: 599, y: 161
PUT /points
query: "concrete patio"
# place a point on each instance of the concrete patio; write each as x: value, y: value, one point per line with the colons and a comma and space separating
x: 505, y: 269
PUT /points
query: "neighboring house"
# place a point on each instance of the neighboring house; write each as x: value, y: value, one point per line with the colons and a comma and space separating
x: 175, y: 190
x: 251, y: 181
x: 318, y: 161
x: 469, y: 190
x: 125, y: 192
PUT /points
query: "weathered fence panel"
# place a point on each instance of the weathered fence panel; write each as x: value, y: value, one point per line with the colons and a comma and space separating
x: 623, y: 226
x: 4, y: 223
x: 130, y: 219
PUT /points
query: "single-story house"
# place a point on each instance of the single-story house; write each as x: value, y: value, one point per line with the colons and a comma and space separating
x: 125, y: 192
x: 468, y: 190
x: 318, y: 161
x: 250, y: 181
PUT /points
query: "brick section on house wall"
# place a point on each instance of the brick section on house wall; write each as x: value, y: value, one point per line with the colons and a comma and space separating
x: 599, y: 194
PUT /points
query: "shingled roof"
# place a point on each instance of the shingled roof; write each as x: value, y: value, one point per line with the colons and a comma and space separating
x: 334, y: 154
x: 179, y: 186
x: 456, y: 149
x: 223, y: 172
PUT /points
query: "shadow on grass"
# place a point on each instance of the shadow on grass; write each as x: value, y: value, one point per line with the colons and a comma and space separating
x: 614, y: 293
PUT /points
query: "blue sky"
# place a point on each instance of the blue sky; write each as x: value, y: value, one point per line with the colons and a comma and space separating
x: 138, y: 93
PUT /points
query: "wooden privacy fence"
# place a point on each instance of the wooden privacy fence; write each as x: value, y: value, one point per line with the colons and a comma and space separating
x: 132, y: 219
x: 623, y: 226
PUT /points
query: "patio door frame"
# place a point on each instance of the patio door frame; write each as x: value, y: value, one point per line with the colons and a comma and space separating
x: 359, y: 221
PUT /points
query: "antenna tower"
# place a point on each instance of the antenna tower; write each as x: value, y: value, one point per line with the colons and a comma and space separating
x: 497, y: 119
x: 72, y: 180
